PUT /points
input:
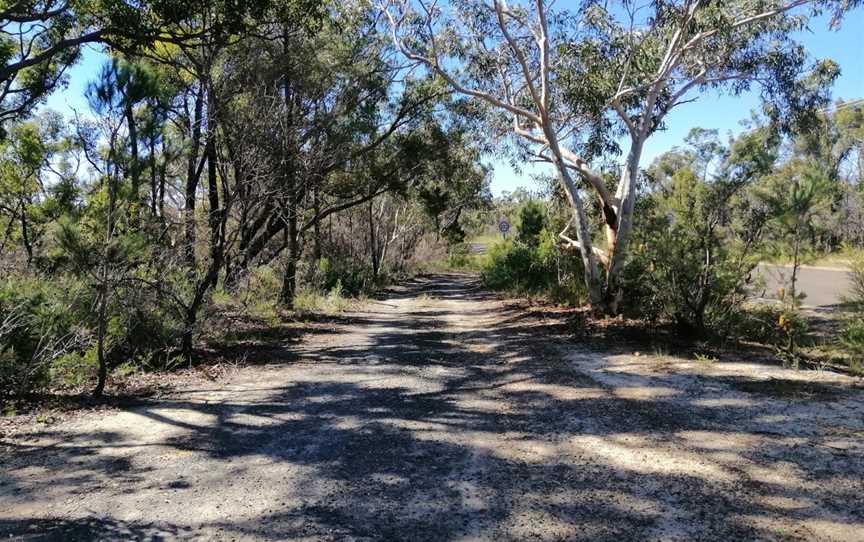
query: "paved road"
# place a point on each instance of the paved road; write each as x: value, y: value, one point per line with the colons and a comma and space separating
x: 824, y: 286
x: 477, y: 248
x: 444, y: 414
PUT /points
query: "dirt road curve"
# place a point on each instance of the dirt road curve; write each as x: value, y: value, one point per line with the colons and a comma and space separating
x: 441, y: 413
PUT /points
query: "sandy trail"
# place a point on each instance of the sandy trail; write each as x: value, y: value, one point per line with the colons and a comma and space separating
x: 441, y: 413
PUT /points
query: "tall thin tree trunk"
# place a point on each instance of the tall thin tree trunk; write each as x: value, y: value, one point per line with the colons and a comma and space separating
x: 161, y: 202
x: 373, y: 249
x: 104, y: 288
x: 154, y: 189
x: 25, y: 235
x: 626, y: 196
x: 134, y: 165
x: 214, y: 218
x: 316, y: 203
x: 192, y: 176
x: 289, y: 281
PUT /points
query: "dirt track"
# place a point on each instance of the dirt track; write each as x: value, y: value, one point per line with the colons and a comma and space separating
x: 441, y: 413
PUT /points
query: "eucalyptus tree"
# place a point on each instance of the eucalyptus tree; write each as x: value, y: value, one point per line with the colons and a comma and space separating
x: 575, y: 86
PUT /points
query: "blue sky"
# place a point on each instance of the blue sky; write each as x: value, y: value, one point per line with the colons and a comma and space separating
x: 723, y: 113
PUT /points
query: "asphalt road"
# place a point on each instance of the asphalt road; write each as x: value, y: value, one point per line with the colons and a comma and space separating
x: 824, y: 287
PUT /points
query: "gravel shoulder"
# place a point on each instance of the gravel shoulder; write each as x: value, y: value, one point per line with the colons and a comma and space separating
x: 440, y: 412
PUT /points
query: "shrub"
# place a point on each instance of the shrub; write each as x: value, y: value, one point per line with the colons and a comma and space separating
x: 852, y: 342
x: 352, y: 278
x: 532, y: 219
x: 685, y: 268
x: 545, y: 269
x: 460, y: 257
x: 309, y: 301
x: 513, y: 266
x: 851, y: 337
x: 47, y: 330
x: 41, y: 322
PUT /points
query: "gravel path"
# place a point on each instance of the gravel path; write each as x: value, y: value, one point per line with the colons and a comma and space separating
x: 441, y: 413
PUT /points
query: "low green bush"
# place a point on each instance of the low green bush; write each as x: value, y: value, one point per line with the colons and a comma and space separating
x: 352, y: 279
x: 513, y: 266
x: 852, y: 342
x: 40, y: 322
x: 683, y: 267
x: 459, y: 256
x: 544, y: 269
x: 309, y: 301
x: 48, y: 329
x: 851, y: 338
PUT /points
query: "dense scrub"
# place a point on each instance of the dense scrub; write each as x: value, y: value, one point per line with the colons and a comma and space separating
x: 186, y: 187
x: 708, y: 213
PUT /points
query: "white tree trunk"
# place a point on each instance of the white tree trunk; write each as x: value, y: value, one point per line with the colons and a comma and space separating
x: 583, y: 234
x: 626, y: 197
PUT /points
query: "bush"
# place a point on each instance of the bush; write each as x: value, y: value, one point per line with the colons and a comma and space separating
x: 311, y: 301
x: 513, y: 266
x: 532, y: 219
x: 47, y: 331
x: 351, y: 278
x: 39, y: 325
x: 684, y: 269
x: 460, y: 257
x: 544, y: 269
x: 852, y: 342
x: 852, y: 334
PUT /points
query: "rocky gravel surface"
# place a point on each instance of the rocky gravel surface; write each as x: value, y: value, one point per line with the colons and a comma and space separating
x: 440, y: 412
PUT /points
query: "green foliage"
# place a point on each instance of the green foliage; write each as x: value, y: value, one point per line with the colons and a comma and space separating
x: 532, y: 220
x: 851, y: 337
x: 351, y: 278
x: 309, y: 301
x: 544, y: 269
x: 459, y: 256
x: 686, y: 265
x: 796, y: 197
x: 42, y: 321
x: 75, y: 369
x: 512, y: 266
x: 852, y: 342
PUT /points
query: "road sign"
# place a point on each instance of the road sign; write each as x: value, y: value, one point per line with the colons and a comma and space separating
x: 504, y: 226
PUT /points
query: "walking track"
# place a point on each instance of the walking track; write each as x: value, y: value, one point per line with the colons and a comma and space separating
x: 442, y: 413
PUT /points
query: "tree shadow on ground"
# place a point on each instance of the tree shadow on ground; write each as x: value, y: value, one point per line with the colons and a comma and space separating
x: 444, y: 432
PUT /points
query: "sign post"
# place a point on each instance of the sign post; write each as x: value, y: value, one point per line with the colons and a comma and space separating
x: 504, y: 227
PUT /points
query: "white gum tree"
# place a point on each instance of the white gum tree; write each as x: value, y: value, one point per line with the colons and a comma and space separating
x: 572, y: 86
